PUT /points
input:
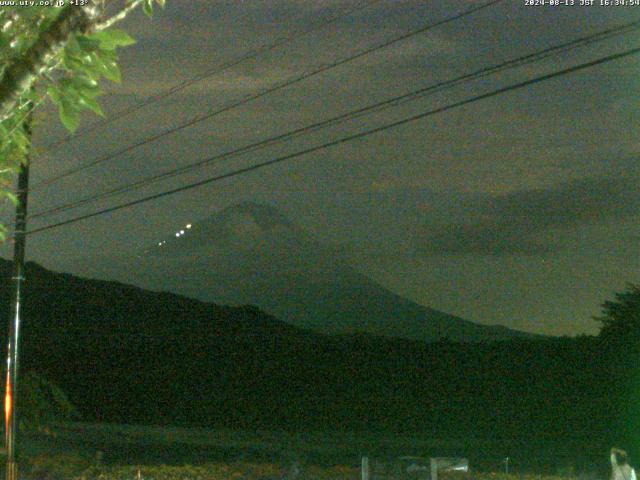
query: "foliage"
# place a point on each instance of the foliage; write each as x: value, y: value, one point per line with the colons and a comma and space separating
x: 245, y: 370
x: 501, y: 476
x: 620, y: 342
x: 57, y: 467
x: 620, y: 318
x: 41, y: 402
x: 218, y: 471
x: 69, y: 76
x: 64, y: 467
x: 182, y: 453
x: 86, y: 59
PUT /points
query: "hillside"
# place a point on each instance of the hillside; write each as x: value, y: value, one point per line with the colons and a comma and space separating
x: 128, y: 355
x: 253, y: 254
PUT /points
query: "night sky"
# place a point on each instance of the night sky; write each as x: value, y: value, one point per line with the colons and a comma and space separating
x: 519, y: 210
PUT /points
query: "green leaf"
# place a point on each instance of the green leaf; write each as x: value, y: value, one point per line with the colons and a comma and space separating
x: 110, y: 70
x: 70, y: 62
x: 87, y: 66
x: 86, y: 87
x: 111, y: 39
x: 72, y: 46
x: 92, y: 105
x: 88, y: 44
x: 147, y: 8
x: 69, y: 115
x: 4, y: 42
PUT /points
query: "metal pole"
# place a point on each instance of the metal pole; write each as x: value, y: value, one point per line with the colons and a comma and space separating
x: 14, y: 320
x: 365, y: 468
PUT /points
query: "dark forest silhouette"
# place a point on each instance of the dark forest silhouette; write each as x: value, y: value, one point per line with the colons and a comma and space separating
x: 127, y: 355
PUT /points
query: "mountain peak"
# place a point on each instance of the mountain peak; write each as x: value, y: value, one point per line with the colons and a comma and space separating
x: 265, y: 216
x: 250, y: 253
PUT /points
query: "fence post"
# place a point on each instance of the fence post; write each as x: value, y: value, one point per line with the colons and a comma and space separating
x: 365, y: 468
x: 434, y: 469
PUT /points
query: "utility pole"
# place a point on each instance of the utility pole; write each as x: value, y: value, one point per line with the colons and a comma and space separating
x: 17, y: 279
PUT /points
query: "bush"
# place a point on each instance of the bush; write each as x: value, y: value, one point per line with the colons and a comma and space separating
x: 56, y: 467
x: 40, y: 402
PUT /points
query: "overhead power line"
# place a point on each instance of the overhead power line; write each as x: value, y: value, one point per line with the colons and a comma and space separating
x: 247, y: 56
x: 339, y: 141
x: 244, y: 101
x: 374, y: 108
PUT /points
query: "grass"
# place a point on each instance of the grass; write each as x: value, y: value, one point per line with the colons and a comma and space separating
x: 240, y: 471
x: 68, y: 451
x: 61, y: 468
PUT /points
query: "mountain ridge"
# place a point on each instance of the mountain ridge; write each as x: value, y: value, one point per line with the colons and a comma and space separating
x: 123, y: 354
x: 251, y: 253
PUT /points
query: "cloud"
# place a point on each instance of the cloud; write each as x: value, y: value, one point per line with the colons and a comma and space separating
x: 483, y: 239
x: 514, y: 223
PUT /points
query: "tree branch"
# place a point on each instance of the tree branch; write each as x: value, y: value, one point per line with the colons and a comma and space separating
x: 118, y: 16
x: 20, y: 74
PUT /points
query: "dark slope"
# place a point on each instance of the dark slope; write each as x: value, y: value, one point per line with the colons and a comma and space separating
x: 127, y: 355
x: 252, y: 254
